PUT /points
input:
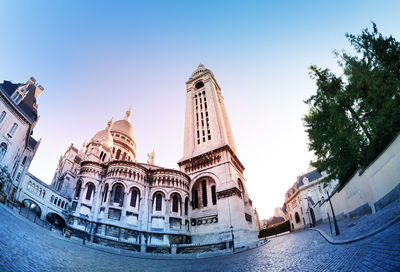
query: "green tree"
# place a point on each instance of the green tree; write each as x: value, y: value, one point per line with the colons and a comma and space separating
x: 353, y: 117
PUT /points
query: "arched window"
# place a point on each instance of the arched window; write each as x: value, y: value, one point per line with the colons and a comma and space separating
x: 204, y: 192
x: 3, y: 150
x: 213, y: 195
x: 134, y: 196
x: 62, y: 204
x: 158, y: 202
x: 43, y: 193
x: 89, y: 191
x: 118, y: 194
x: 297, y: 217
x: 13, y: 129
x: 2, y: 116
x: 59, y: 202
x: 105, y: 193
x: 199, y: 85
x: 123, y: 156
x: 175, y: 204
x: 195, y: 199
x: 101, y: 155
x: 78, y: 189
x: 118, y: 154
x: 52, y: 198
x: 186, y: 206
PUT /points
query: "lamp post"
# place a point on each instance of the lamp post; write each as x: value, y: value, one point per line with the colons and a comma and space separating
x: 233, y: 239
x: 333, y: 213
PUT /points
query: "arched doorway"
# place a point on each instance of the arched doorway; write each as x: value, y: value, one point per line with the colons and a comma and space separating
x: 297, y: 218
x: 32, y: 206
x: 312, y: 217
x: 56, y: 220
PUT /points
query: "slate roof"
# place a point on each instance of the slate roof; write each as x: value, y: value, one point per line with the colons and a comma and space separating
x: 311, y: 176
x: 32, y: 143
x: 25, y: 106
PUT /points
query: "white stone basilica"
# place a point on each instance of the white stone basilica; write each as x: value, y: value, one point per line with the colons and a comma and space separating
x: 119, y: 202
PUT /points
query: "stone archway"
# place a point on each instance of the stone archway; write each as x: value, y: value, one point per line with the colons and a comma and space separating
x: 32, y: 206
x: 56, y: 220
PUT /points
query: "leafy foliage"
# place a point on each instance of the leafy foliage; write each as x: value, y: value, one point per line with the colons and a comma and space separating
x: 353, y: 117
x: 283, y: 227
x: 4, y: 175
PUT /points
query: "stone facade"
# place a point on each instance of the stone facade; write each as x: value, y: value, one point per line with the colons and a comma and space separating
x: 304, y: 199
x: 18, y: 117
x: 41, y: 199
x: 119, y: 202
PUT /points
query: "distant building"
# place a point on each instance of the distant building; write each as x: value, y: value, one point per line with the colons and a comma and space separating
x: 278, y: 212
x: 303, y: 199
x: 18, y: 117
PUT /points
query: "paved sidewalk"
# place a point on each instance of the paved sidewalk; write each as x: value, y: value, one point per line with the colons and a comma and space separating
x: 355, y: 228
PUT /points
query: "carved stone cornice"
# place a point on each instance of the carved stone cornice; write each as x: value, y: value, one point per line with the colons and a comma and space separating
x: 229, y: 192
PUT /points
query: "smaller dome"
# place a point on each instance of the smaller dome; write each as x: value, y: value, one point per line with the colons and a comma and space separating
x: 103, y: 137
x: 201, y: 69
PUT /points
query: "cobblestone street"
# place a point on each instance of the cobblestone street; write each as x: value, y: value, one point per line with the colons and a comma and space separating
x: 24, y: 246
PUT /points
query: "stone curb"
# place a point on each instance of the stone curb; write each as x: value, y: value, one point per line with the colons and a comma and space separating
x: 359, y: 238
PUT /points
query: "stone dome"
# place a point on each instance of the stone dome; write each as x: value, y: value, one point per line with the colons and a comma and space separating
x: 103, y: 137
x: 201, y: 69
x: 124, y: 127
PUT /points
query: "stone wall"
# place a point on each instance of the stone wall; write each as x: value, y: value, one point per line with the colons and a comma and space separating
x: 370, y: 190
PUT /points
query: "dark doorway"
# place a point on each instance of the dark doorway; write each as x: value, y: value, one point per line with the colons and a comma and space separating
x: 56, y: 220
x: 312, y: 217
x: 32, y: 207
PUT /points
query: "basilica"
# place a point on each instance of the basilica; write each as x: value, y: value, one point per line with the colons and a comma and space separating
x: 117, y: 201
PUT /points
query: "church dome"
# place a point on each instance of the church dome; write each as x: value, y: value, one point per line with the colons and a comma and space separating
x: 103, y: 137
x: 124, y: 127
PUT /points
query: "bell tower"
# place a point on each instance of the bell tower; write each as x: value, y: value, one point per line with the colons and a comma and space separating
x: 221, y: 208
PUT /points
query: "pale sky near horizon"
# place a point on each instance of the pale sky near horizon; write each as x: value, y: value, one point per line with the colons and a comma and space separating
x: 97, y: 58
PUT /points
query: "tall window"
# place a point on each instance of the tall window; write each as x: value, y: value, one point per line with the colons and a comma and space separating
x: 3, y: 150
x: 118, y: 194
x: 2, y: 116
x: 195, y: 199
x: 158, y: 202
x: 78, y: 189
x: 123, y: 156
x: 118, y: 154
x: 186, y: 205
x: 23, y: 161
x: 105, y: 193
x: 89, y: 191
x: 13, y: 129
x: 175, y: 204
x: 213, y: 195
x: 204, y: 192
x: 134, y: 195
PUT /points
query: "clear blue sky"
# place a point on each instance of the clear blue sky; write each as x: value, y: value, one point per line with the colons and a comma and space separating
x: 97, y: 58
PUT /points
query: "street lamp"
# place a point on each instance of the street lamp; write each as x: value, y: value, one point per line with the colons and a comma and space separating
x: 333, y: 213
x: 233, y: 239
